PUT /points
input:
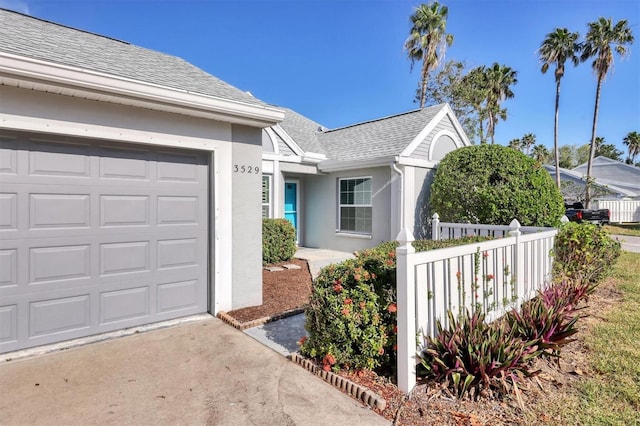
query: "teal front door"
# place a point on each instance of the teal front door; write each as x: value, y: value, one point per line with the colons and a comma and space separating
x: 291, y: 204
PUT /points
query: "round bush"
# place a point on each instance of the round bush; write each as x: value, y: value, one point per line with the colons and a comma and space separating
x: 493, y: 184
x: 278, y: 240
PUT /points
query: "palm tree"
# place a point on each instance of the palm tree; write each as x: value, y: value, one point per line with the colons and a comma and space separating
x: 540, y: 153
x: 515, y: 144
x: 632, y: 142
x: 602, y: 39
x: 557, y: 47
x: 499, y: 79
x: 528, y: 141
x: 427, y: 40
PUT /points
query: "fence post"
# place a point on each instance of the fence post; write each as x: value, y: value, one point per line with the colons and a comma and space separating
x: 435, y: 227
x: 406, y: 316
x: 518, y: 267
x: 564, y: 219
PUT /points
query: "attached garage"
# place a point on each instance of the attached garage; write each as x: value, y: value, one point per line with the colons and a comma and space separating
x: 119, y: 205
x: 98, y: 236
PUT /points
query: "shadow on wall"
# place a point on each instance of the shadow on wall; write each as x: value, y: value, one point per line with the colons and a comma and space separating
x: 422, y: 217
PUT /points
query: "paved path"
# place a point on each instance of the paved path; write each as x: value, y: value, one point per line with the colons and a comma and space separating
x: 319, y: 258
x: 202, y: 372
x: 629, y: 243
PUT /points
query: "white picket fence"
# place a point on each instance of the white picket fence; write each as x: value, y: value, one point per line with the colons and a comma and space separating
x: 622, y: 211
x: 495, y: 276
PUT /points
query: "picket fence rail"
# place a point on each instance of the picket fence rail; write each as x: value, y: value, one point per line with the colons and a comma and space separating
x: 622, y: 211
x: 495, y: 276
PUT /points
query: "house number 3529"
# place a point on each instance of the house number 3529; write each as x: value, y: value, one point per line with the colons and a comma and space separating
x: 239, y: 168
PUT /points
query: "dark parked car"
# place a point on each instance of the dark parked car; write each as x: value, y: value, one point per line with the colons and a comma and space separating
x: 577, y: 213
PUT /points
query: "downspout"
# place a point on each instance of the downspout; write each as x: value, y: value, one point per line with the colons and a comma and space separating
x: 395, y: 168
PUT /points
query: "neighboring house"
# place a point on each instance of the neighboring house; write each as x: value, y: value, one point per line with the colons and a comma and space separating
x: 573, y: 186
x: 614, y: 173
x: 129, y: 186
x: 356, y: 186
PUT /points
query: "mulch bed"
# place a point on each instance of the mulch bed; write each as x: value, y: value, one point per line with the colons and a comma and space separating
x: 429, y: 403
x: 282, y: 291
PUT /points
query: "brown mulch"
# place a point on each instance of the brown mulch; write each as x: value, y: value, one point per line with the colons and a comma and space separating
x: 281, y: 291
x: 429, y: 403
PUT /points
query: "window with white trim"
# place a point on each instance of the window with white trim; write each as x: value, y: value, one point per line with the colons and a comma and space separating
x: 266, y: 196
x: 354, y: 210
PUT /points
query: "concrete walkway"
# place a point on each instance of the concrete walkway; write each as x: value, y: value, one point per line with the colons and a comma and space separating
x: 201, y: 372
x: 319, y: 258
x: 628, y: 243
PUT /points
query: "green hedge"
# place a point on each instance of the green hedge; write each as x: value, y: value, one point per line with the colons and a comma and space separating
x: 278, y: 240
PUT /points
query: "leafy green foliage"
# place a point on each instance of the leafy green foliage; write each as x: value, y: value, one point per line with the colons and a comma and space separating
x: 351, y: 318
x: 471, y: 356
x: 584, y: 252
x: 493, y: 184
x: 278, y: 240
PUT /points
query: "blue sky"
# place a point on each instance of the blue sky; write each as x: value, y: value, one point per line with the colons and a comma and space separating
x: 340, y: 62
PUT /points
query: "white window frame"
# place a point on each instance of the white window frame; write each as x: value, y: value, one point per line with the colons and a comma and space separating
x: 268, y: 204
x: 340, y: 205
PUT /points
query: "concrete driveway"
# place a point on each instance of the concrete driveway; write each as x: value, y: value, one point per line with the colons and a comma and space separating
x: 202, y: 372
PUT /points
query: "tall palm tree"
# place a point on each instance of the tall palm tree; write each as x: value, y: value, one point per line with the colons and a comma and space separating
x: 602, y: 39
x: 515, y: 144
x: 540, y: 153
x: 427, y: 40
x: 632, y: 142
x: 558, y: 47
x: 499, y: 81
x: 528, y: 141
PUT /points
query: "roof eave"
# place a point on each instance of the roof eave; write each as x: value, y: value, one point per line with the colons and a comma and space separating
x: 16, y: 70
x: 340, y: 165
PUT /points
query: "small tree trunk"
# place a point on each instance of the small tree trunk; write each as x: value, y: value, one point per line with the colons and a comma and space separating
x: 555, y: 134
x: 592, y: 150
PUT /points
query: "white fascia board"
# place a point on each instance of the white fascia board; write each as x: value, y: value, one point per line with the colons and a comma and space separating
x: 288, y: 140
x: 126, y: 91
x: 313, y: 157
x: 457, y: 126
x: 338, y: 165
x: 408, y: 151
x: 417, y: 162
x: 279, y: 157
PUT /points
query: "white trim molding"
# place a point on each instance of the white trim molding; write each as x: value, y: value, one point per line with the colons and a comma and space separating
x: 46, y: 76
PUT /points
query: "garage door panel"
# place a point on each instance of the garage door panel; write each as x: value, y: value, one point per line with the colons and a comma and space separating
x: 61, y: 315
x: 125, y: 258
x: 56, y: 159
x: 124, y: 305
x: 8, y: 324
x: 8, y: 211
x: 94, y: 238
x: 124, y: 164
x: 124, y: 210
x: 59, y: 210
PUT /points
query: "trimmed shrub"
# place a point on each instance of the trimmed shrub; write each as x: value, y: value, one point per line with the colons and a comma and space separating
x: 471, y: 356
x: 351, y: 318
x: 278, y: 240
x: 585, y: 253
x: 494, y: 184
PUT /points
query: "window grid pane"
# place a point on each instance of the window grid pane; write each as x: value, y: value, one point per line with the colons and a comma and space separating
x: 266, y: 197
x: 355, y: 205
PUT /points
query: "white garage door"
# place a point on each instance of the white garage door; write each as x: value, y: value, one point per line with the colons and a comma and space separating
x: 98, y: 236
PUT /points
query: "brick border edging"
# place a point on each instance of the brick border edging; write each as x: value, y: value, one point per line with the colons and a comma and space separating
x: 225, y: 317
x: 360, y: 393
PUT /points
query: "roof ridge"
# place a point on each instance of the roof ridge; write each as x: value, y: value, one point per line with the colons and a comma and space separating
x: 65, y: 26
x: 381, y: 118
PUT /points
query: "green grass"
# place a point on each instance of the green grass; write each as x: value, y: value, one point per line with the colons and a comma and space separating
x: 611, y: 394
x: 624, y: 229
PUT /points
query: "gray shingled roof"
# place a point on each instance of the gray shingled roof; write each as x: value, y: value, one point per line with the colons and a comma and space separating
x: 384, y: 137
x: 303, y: 131
x: 38, y: 39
